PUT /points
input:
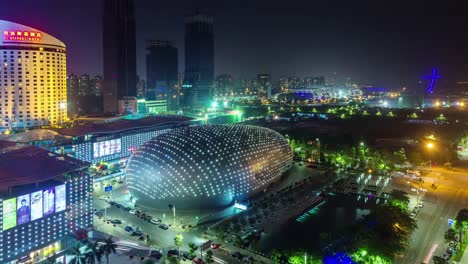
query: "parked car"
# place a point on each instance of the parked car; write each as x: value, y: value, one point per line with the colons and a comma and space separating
x: 132, y: 212
x: 187, y: 255
x: 99, y: 214
x: 137, y: 233
x: 198, y: 261
x: 236, y: 255
x: 116, y: 221
x: 172, y: 252
x: 155, y: 221
x: 104, y: 198
x: 164, y: 226
x: 157, y: 254
x: 249, y: 259
x: 129, y: 229
x: 215, y: 245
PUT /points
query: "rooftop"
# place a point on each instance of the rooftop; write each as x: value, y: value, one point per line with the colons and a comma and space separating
x: 20, y: 165
x: 122, y: 125
x: 33, y: 135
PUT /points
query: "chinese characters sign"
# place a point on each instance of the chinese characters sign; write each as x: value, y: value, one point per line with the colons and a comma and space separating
x: 16, y: 35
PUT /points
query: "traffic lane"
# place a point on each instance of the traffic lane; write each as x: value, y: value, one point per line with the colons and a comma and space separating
x: 423, y: 219
x: 437, y: 226
x: 159, y: 238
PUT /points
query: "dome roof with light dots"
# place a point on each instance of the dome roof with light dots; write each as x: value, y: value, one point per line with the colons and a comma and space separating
x: 204, y: 167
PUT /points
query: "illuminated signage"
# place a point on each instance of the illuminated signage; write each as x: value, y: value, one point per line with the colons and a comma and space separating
x: 16, y: 35
x: 9, y: 213
x: 106, y: 148
x: 48, y: 199
x: 36, y: 205
x: 240, y: 206
x: 23, y: 209
x: 60, y: 198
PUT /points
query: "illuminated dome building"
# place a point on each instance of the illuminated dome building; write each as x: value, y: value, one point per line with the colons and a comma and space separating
x: 205, y: 167
x: 33, y: 90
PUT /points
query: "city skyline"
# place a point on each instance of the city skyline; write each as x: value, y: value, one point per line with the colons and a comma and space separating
x: 385, y: 46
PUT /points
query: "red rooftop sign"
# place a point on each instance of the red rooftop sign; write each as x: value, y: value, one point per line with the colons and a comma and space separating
x: 15, y: 35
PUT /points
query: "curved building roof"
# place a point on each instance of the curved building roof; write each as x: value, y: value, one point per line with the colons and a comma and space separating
x: 14, y: 34
x: 208, y: 166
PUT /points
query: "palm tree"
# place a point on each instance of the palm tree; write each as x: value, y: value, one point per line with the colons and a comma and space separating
x: 77, y: 256
x: 108, y: 248
x: 94, y: 254
x: 192, y: 249
x: 178, y: 242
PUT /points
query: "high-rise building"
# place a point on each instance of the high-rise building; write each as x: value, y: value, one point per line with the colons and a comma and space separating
x: 264, y: 85
x: 289, y: 83
x: 224, y: 86
x: 84, y: 85
x: 161, y: 71
x: 310, y: 82
x: 119, y: 52
x: 33, y: 78
x: 199, y: 59
x: 72, y: 87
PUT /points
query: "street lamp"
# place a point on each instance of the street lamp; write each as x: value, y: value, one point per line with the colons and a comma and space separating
x: 430, y: 146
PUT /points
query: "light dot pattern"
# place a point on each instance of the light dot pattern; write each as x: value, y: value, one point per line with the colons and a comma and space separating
x: 202, y: 167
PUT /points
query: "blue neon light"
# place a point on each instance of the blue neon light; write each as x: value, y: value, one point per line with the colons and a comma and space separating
x: 432, y: 78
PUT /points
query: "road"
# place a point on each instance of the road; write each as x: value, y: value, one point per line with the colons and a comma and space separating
x: 440, y: 205
x: 164, y: 239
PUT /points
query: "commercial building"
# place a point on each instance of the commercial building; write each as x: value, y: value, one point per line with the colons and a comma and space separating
x: 199, y: 60
x: 119, y: 52
x: 162, y: 68
x: 46, y: 199
x: 33, y: 74
x: 206, y: 167
x: 264, y: 85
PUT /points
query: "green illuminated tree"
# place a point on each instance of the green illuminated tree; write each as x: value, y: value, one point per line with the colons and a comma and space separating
x: 77, y: 256
x: 192, y: 249
x: 209, y: 257
x: 399, y: 199
x: 178, y: 242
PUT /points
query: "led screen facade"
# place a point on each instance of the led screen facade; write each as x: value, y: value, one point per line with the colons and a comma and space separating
x: 48, y: 199
x: 60, y: 198
x: 23, y: 209
x: 9, y: 213
x: 108, y: 147
x: 36, y: 205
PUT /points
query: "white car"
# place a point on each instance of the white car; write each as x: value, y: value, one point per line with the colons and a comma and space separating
x: 132, y: 212
x: 104, y: 198
x: 155, y: 221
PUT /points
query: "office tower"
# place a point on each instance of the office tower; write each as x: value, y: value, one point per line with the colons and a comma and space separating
x: 84, y: 85
x: 199, y: 60
x: 119, y: 52
x: 264, y: 85
x: 33, y: 76
x: 224, y: 86
x: 310, y: 82
x: 162, y: 72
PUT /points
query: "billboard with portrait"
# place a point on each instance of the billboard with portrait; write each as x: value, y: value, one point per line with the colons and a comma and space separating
x: 48, y: 200
x: 23, y: 209
x: 36, y: 205
x: 9, y: 213
x: 60, y: 198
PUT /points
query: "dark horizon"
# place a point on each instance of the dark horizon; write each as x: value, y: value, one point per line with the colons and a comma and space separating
x: 385, y: 45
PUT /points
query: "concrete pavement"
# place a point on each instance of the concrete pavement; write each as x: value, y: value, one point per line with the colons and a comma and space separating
x: 441, y: 204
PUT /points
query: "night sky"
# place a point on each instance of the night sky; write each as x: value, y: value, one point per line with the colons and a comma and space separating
x: 386, y: 43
